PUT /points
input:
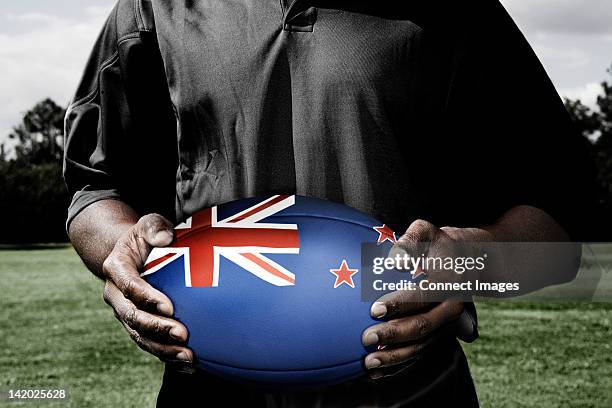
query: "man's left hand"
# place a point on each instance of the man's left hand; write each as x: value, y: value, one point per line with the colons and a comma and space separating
x: 412, y: 321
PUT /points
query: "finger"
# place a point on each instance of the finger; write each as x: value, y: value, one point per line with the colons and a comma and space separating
x: 394, y: 356
x: 415, y: 240
x: 414, y: 327
x: 401, y: 303
x: 156, y: 230
x: 422, y: 240
x: 165, y: 352
x: 410, y: 302
x: 466, y: 326
x: 122, y: 271
x: 151, y: 230
x: 148, y: 325
x: 392, y: 361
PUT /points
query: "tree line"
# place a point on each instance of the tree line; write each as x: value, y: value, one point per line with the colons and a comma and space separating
x: 34, y: 200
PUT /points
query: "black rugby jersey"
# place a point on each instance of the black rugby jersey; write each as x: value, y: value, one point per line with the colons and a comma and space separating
x: 435, y: 110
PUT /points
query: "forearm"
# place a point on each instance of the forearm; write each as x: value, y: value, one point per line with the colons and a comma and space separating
x: 97, y: 228
x: 533, y: 265
x: 535, y: 251
x: 527, y: 224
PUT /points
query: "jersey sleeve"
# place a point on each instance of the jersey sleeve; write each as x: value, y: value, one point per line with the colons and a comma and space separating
x: 510, y: 138
x: 120, y: 129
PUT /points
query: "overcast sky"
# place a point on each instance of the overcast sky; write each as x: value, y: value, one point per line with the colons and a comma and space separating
x: 44, y: 46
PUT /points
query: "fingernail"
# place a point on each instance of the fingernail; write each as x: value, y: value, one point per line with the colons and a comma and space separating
x: 164, y: 309
x: 396, y: 250
x: 183, y: 356
x: 177, y: 334
x: 163, y: 236
x: 372, y: 363
x: 378, y: 310
x: 370, y: 340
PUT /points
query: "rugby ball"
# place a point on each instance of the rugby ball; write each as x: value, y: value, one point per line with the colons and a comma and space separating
x: 269, y: 288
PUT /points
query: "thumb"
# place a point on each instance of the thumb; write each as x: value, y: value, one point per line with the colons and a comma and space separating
x: 155, y: 230
x: 416, y: 240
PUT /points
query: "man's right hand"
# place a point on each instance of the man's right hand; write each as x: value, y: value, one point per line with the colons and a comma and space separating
x: 145, y: 312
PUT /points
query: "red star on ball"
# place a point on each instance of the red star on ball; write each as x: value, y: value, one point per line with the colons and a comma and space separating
x: 344, y: 275
x: 385, y: 234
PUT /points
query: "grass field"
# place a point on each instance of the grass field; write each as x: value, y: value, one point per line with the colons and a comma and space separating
x: 57, y: 332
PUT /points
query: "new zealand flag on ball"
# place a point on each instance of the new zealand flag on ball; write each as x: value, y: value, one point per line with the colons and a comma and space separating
x: 269, y: 288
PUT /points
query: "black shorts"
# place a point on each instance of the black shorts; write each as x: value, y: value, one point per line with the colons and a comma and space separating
x: 441, y: 378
